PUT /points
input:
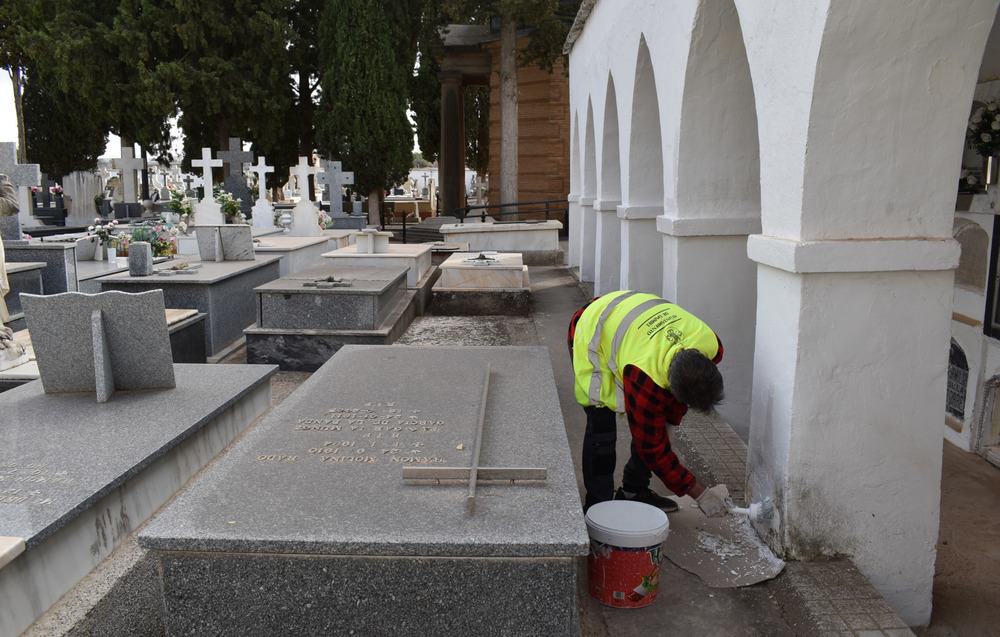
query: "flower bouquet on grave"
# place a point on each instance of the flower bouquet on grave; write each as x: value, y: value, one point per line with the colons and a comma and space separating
x: 324, y: 220
x: 160, y: 237
x: 968, y: 183
x: 230, y: 206
x: 180, y: 205
x: 105, y: 233
x: 56, y: 191
x: 984, y: 129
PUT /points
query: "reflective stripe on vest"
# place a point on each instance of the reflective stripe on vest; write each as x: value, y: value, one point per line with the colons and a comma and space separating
x: 594, y: 395
x: 594, y: 392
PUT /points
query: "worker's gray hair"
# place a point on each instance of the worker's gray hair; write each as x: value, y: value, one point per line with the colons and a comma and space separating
x: 695, y: 380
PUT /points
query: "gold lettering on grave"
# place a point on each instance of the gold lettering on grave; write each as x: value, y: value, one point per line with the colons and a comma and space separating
x: 20, y: 483
x: 364, y: 434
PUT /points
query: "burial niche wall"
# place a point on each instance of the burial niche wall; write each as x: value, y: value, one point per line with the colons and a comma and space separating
x: 975, y: 243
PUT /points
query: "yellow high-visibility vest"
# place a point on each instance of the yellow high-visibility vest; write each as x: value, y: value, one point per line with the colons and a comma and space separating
x: 631, y: 328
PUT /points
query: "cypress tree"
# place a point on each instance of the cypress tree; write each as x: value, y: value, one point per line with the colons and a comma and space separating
x: 361, y: 118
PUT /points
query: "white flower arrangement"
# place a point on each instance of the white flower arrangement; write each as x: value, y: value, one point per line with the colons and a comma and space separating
x: 984, y: 129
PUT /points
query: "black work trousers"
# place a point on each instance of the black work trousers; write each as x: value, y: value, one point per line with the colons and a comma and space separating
x: 599, y: 458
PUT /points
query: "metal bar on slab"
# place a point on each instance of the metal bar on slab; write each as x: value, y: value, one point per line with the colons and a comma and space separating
x: 484, y: 473
x: 470, y: 500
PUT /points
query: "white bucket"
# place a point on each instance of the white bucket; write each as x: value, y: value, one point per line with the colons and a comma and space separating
x: 625, y: 552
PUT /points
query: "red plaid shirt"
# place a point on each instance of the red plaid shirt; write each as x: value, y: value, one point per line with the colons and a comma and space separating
x: 650, y: 408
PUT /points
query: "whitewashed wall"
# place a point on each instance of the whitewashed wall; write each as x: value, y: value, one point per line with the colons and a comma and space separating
x: 854, y: 282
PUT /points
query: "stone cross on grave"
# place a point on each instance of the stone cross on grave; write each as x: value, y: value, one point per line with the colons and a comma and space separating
x: 261, y: 169
x: 474, y: 473
x: 236, y: 180
x: 188, y: 180
x: 235, y: 157
x: 21, y: 175
x: 129, y: 165
x: 335, y: 179
x: 103, y: 174
x: 206, y: 163
x: 301, y: 172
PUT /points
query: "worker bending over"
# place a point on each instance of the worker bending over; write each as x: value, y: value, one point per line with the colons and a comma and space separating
x: 639, y: 355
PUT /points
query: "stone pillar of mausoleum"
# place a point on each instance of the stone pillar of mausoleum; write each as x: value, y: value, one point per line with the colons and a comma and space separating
x: 451, y: 161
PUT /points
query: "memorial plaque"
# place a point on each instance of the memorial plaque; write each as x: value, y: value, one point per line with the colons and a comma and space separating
x: 322, y: 476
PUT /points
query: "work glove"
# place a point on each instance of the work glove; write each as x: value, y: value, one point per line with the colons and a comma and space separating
x: 713, y: 501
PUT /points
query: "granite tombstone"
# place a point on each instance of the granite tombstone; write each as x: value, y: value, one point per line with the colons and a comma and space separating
x: 329, y: 538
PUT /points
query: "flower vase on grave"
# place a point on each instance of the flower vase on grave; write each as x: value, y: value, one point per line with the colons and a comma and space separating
x: 112, y: 254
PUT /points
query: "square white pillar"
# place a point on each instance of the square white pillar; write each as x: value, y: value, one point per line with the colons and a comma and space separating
x: 608, y: 248
x: 642, y: 249
x: 850, y: 372
x: 575, y: 230
x: 588, y: 243
x: 711, y: 277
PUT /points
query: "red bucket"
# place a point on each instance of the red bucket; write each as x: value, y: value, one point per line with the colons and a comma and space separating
x: 625, y: 552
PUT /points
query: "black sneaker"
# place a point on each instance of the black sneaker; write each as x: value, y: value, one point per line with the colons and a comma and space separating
x: 648, y: 496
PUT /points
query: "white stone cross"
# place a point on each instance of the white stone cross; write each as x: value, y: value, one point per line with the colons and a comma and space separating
x: 104, y: 175
x: 21, y: 175
x: 235, y: 157
x: 129, y: 165
x: 333, y: 177
x: 301, y: 172
x: 261, y: 170
x: 206, y: 163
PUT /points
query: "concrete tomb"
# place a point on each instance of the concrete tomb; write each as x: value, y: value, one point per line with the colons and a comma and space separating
x: 78, y: 475
x: 60, y: 272
x: 537, y: 241
x: 310, y: 525
x: 306, y: 317
x: 219, y: 289
x: 297, y: 253
x: 22, y: 278
x: 482, y: 283
x: 72, y: 494
x: 338, y: 238
x: 415, y: 257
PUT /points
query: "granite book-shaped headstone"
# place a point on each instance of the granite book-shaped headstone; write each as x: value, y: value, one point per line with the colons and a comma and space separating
x: 100, y: 342
x: 232, y: 242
